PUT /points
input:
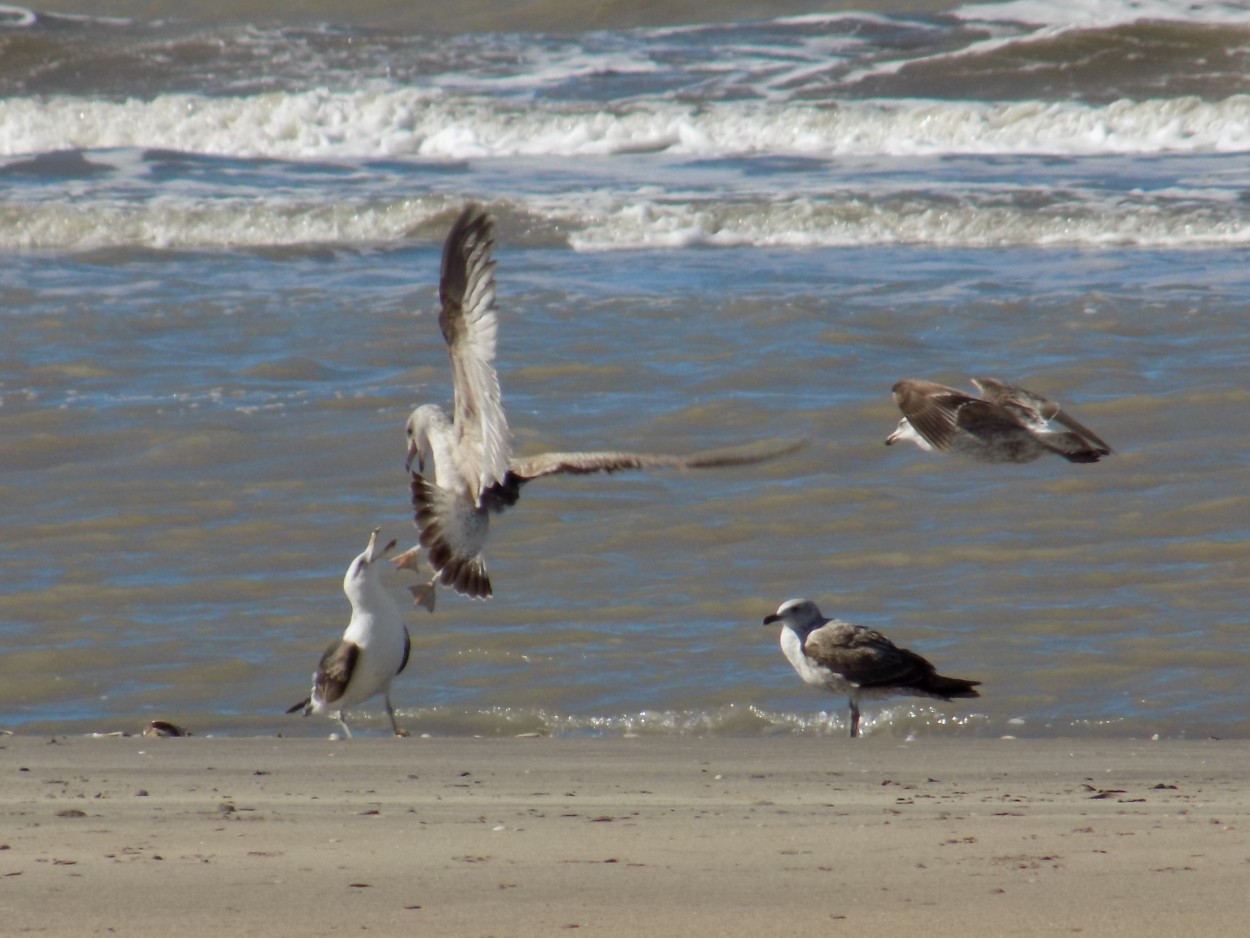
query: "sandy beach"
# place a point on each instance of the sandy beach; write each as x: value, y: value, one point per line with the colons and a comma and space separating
x: 658, y: 836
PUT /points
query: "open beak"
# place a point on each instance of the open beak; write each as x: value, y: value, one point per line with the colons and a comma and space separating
x: 414, y: 453
x: 372, y: 553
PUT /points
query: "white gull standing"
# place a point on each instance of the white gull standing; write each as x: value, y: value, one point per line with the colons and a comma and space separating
x: 1008, y: 425
x: 373, y: 649
x: 465, y: 470
x: 856, y: 661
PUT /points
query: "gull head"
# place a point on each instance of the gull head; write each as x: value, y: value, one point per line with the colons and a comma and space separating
x: 801, y: 615
x: 362, y: 567
x: 420, y: 423
x: 905, y: 431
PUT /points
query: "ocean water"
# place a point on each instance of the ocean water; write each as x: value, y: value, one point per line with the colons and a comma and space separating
x: 219, y: 247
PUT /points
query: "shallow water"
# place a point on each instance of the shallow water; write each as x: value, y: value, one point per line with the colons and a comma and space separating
x: 218, y: 288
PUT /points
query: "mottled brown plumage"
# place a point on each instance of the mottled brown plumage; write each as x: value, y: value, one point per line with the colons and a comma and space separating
x: 1008, y: 425
x: 856, y: 661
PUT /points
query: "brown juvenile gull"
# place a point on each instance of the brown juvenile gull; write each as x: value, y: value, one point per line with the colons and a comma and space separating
x: 856, y: 661
x: 372, y: 651
x: 1007, y: 425
x: 464, y: 464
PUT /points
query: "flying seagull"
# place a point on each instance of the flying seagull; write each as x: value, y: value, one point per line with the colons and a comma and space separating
x: 372, y: 651
x: 1008, y: 424
x: 465, y: 470
x: 856, y: 661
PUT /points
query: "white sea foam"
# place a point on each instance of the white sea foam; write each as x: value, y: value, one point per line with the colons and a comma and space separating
x: 806, y: 223
x: 1174, y: 217
x: 173, y: 222
x: 1086, y: 13
x: 405, y: 123
x: 1044, y: 20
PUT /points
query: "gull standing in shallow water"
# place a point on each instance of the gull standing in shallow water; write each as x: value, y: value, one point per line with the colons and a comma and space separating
x: 372, y: 651
x: 1008, y: 425
x: 856, y: 661
x: 464, y: 464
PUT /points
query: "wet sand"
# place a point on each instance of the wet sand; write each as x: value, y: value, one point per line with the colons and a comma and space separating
x: 658, y: 836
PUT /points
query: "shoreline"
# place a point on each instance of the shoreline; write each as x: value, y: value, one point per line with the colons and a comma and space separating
x: 529, y: 836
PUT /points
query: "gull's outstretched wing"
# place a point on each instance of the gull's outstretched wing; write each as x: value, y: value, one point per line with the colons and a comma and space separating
x: 546, y: 464
x: 1026, y: 403
x: 483, y: 444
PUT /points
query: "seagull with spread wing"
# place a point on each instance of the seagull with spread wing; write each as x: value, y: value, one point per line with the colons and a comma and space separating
x: 856, y: 661
x: 1009, y: 424
x: 464, y: 467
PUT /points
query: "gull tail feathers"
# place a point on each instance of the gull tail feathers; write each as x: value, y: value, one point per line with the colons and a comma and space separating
x: 466, y: 577
x: 1084, y: 455
x: 305, y: 705
x: 452, y: 532
x: 1072, y: 448
x: 948, y: 688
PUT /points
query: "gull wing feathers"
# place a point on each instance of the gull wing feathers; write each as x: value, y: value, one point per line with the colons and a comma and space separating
x: 1016, y: 397
x: 407, y: 650
x: 986, y: 420
x: 470, y: 327
x: 1089, y: 436
x: 1038, y: 411
x: 545, y: 464
x: 335, y: 670
x: 932, y: 409
x: 869, y: 660
x: 506, y: 494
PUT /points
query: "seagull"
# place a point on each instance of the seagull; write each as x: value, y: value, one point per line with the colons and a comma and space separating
x: 372, y: 651
x: 856, y: 661
x: 465, y: 470
x: 1009, y: 424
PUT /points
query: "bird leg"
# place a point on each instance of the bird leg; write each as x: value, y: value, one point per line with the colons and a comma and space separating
x: 854, y: 717
x: 390, y: 712
x: 423, y: 595
x: 408, y: 560
x: 339, y: 717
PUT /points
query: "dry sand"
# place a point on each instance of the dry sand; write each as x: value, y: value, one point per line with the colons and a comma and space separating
x: 726, y: 837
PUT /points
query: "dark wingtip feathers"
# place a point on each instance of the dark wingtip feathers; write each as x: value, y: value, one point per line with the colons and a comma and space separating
x: 948, y: 688
x: 1086, y: 455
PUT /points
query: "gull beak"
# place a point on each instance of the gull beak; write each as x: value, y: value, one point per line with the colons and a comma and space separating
x: 898, y: 433
x: 770, y: 619
x: 372, y: 553
x: 373, y: 543
x: 414, y: 453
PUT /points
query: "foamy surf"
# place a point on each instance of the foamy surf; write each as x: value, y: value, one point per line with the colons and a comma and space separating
x: 987, y: 217
x: 324, y: 125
